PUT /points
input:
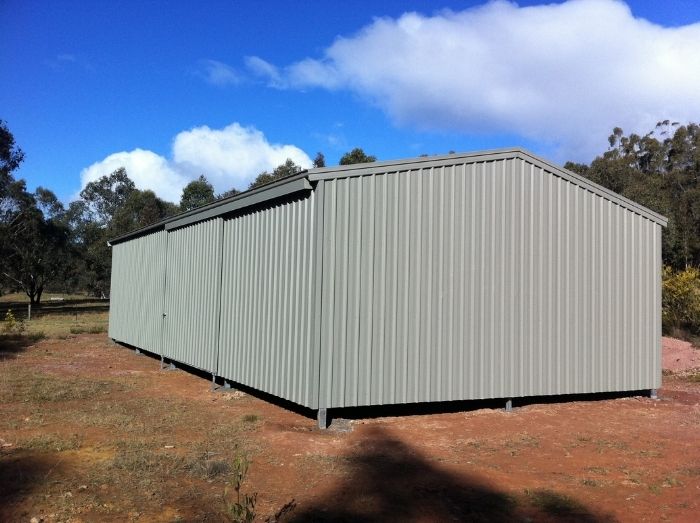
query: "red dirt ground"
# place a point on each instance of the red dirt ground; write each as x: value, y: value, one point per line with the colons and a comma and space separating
x: 631, y: 459
x: 679, y: 355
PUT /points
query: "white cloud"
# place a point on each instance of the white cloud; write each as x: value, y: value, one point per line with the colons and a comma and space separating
x: 218, y: 73
x: 228, y: 157
x: 265, y: 69
x: 561, y: 74
x: 233, y: 155
x: 147, y: 169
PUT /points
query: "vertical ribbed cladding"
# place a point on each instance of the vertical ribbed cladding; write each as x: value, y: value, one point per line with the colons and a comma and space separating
x: 137, y: 287
x: 478, y: 280
x: 193, y: 284
x: 267, y: 301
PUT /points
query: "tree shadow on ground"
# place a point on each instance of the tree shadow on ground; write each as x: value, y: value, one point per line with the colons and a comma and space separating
x: 13, y: 344
x: 20, y: 475
x: 389, y: 481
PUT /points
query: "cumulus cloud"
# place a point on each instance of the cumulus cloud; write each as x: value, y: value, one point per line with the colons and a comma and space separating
x: 232, y: 155
x: 562, y: 74
x: 218, y: 73
x: 147, y: 169
x: 228, y: 157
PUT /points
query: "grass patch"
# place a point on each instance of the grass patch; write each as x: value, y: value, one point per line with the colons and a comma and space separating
x: 650, y: 454
x: 597, y: 470
x: 671, y: 482
x: 89, y: 329
x: 31, y: 387
x: 692, y: 472
x: 145, y: 460
x: 632, y: 477
x: 250, y: 418
x: 328, y: 465
x: 602, y: 444
x: 51, y: 443
x: 522, y: 441
x: 62, y: 325
x: 108, y: 416
x: 156, y: 416
x: 140, y: 459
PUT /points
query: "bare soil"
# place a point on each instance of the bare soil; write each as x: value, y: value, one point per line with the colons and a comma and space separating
x: 679, y: 355
x: 91, y: 431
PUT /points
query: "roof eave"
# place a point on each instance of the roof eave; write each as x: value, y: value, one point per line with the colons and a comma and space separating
x: 255, y: 196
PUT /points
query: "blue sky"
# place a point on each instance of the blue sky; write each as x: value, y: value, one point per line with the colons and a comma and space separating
x: 172, y: 89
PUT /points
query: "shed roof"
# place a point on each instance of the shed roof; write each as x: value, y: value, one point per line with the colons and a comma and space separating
x: 301, y: 182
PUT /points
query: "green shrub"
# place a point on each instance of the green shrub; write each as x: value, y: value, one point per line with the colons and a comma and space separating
x: 12, y: 325
x: 242, y: 508
x: 681, y: 300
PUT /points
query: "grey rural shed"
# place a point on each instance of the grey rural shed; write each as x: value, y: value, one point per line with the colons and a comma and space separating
x: 469, y: 276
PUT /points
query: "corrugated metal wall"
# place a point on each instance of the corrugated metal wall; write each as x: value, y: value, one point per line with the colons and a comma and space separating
x: 137, y: 286
x: 267, y: 305
x: 193, y: 286
x: 482, y: 279
x: 490, y: 279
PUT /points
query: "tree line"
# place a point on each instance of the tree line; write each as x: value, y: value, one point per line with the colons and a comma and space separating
x: 46, y: 244
x: 660, y: 170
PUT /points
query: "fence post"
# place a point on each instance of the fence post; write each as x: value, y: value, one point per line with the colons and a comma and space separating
x: 29, y: 312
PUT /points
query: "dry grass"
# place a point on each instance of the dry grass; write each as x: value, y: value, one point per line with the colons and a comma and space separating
x: 124, y: 442
x: 32, y: 387
x: 131, y: 443
x: 520, y: 442
x: 64, y: 325
x: 59, y: 325
x: 51, y: 442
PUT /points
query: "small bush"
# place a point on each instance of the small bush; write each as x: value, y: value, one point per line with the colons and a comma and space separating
x: 12, y: 325
x: 681, y: 301
x: 242, y: 509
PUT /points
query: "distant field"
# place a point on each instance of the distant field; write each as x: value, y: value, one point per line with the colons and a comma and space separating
x: 74, y: 314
